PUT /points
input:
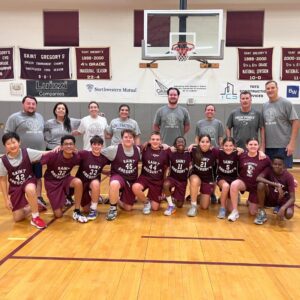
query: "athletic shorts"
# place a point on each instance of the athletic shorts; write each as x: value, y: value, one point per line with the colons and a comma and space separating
x: 37, y: 169
x: 154, y: 187
x: 126, y: 194
x: 86, y: 193
x: 179, y: 188
x: 272, y: 199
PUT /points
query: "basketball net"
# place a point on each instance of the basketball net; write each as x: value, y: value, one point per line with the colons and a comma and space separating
x: 182, y: 50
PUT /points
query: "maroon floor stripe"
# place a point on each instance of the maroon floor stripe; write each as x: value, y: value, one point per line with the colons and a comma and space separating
x: 152, y: 261
x: 190, y: 238
x: 10, y: 255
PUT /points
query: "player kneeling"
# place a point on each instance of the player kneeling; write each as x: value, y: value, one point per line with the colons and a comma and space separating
x: 275, y: 188
x: 15, y: 166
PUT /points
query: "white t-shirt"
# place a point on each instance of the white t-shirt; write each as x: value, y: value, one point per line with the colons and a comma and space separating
x: 90, y: 127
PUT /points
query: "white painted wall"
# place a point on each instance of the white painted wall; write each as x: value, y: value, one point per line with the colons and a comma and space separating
x: 102, y: 24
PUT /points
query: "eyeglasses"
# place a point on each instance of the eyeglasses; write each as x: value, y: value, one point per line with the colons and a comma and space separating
x: 68, y: 144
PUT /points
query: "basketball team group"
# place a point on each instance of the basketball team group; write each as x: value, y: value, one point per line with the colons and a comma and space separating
x: 251, y: 154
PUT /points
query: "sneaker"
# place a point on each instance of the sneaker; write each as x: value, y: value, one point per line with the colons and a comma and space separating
x: 69, y: 201
x: 234, y: 215
x: 38, y: 223
x: 193, y: 211
x: 213, y: 199
x: 261, y: 217
x: 276, y: 210
x: 112, y: 213
x: 170, y: 210
x: 41, y: 205
x: 147, y: 208
x: 100, y: 200
x: 93, y: 214
x: 222, y: 213
x: 79, y: 217
x: 42, y: 200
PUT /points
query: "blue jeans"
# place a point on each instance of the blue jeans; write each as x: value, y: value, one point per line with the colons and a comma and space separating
x: 288, y: 160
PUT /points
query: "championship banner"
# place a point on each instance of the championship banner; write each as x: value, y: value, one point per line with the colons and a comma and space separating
x: 45, y: 64
x: 7, y: 63
x: 52, y: 88
x: 255, y: 64
x: 93, y: 63
x: 290, y: 64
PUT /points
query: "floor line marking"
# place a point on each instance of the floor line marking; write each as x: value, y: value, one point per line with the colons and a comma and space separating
x: 191, y: 238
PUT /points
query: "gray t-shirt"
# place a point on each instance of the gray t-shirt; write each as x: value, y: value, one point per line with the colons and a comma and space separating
x: 171, y: 122
x: 111, y: 152
x: 117, y: 125
x: 53, y: 131
x: 34, y: 155
x: 244, y: 125
x: 277, y: 117
x: 30, y: 128
x: 212, y: 127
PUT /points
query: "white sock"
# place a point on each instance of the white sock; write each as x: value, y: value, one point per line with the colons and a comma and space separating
x: 194, y: 203
x: 170, y: 202
x: 35, y: 215
x: 94, y: 205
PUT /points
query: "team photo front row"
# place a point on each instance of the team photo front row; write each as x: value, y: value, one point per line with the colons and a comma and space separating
x: 165, y: 173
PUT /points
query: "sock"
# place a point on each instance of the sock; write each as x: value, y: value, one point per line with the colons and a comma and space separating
x: 194, y: 202
x: 35, y: 215
x: 77, y: 210
x: 170, y: 202
x: 113, y: 206
x: 94, y: 205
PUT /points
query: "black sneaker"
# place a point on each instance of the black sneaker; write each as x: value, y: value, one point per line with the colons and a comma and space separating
x: 43, y: 202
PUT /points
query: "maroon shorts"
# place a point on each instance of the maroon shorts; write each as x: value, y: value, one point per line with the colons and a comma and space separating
x: 272, y: 199
x: 154, y: 187
x: 180, y: 188
x: 126, y: 194
x: 17, y: 194
x: 86, y: 196
x: 229, y: 180
x: 57, y: 191
x: 206, y: 188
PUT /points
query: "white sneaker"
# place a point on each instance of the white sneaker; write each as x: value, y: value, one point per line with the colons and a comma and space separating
x: 234, y: 215
x: 147, y: 208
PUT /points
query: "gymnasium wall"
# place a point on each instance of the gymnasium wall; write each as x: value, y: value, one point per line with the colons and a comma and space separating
x: 102, y: 24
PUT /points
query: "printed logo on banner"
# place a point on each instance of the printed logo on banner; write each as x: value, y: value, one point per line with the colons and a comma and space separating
x: 292, y: 91
x: 160, y: 88
x: 229, y: 93
x: 90, y: 87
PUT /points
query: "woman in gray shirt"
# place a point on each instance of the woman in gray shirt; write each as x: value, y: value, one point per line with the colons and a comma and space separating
x: 54, y: 129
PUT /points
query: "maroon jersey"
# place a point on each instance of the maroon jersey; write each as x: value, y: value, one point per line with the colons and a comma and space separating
x: 90, y: 166
x: 154, y: 163
x: 227, y: 166
x: 59, y: 167
x: 20, y: 174
x: 205, y: 170
x: 179, y: 164
x: 250, y: 168
x: 126, y: 166
x: 286, y: 180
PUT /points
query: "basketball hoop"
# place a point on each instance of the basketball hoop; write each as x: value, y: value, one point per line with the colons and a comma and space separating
x: 182, y: 50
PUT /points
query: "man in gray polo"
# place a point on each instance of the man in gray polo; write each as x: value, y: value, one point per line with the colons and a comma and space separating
x: 244, y: 121
x: 172, y: 120
x: 281, y: 124
x: 29, y: 125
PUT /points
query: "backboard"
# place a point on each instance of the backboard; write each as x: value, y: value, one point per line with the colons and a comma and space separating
x: 164, y: 28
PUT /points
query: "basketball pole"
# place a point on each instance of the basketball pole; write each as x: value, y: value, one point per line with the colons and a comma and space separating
x: 182, y: 20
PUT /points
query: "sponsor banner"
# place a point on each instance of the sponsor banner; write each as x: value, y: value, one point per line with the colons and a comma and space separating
x: 191, y: 88
x: 290, y: 64
x: 292, y: 91
x: 93, y: 63
x: 110, y: 91
x: 52, y: 88
x: 7, y: 63
x: 255, y: 64
x: 45, y: 64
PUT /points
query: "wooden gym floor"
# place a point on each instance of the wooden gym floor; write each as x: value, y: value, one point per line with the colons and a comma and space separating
x: 151, y: 257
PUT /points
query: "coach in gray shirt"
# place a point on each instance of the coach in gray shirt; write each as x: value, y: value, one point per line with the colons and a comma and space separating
x: 281, y: 124
x: 172, y: 120
x: 29, y: 125
x: 244, y: 121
